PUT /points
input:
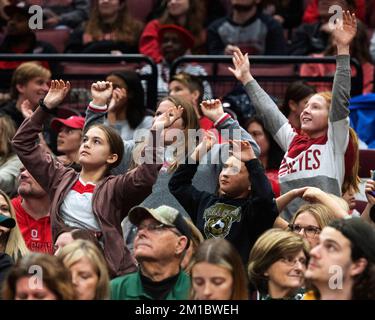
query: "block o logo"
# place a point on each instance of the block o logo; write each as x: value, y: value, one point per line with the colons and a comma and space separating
x: 36, y: 20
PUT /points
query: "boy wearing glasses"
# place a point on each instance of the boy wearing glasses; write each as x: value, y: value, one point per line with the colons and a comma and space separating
x: 161, y: 240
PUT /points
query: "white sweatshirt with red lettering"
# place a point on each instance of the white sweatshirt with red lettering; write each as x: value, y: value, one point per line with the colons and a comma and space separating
x: 310, y: 162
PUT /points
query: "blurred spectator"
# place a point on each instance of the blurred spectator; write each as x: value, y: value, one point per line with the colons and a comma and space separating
x: 11, y: 241
x: 350, y: 186
x: 162, y: 239
x: 288, y: 13
x: 277, y: 264
x: 185, y: 13
x: 190, y: 88
x: 359, y: 49
x: 32, y: 211
x: 9, y: 163
x: 109, y: 28
x: 29, y: 82
x: 88, y: 268
x: 68, y: 235
x: 56, y: 280
x: 57, y: 13
x: 19, y: 38
x: 175, y: 41
x: 217, y: 272
x: 313, y: 9
x: 3, y: 16
x: 127, y: 110
x: 348, y: 194
x: 313, y: 37
x: 248, y: 29
x: 271, y: 154
x: 213, y: 9
x: 296, y: 96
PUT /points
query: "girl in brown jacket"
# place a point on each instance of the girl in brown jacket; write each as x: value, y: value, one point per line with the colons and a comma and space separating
x: 91, y: 199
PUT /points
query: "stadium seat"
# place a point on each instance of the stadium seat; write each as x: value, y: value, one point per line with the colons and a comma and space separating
x: 56, y: 37
x: 366, y: 162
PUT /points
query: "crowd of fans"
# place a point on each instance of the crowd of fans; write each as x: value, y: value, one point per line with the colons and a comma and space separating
x: 185, y: 202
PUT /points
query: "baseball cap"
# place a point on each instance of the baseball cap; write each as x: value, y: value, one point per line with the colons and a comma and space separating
x: 360, y: 233
x: 7, y: 222
x: 186, y: 35
x: 74, y: 122
x: 164, y: 214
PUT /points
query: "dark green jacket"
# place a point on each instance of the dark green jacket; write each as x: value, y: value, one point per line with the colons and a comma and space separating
x: 129, y: 287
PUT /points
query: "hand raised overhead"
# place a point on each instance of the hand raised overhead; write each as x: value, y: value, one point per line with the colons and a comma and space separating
x: 56, y: 93
x: 241, y: 67
x: 242, y: 150
x: 101, y: 92
x: 212, y: 109
x: 169, y: 117
x: 345, y: 30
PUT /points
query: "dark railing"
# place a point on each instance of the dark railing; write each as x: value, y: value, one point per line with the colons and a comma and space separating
x: 58, y: 64
x: 262, y: 68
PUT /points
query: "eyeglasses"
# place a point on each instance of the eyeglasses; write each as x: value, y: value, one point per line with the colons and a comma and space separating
x: 292, y: 261
x: 310, y: 231
x: 153, y: 227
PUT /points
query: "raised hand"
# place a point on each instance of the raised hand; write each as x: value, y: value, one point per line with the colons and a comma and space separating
x: 208, y: 141
x: 242, y: 150
x: 169, y: 117
x: 241, y: 67
x: 118, y: 94
x: 345, y: 30
x: 56, y: 93
x: 26, y: 109
x: 312, y: 194
x: 212, y: 109
x: 229, y: 49
x: 299, y: 192
x: 101, y: 92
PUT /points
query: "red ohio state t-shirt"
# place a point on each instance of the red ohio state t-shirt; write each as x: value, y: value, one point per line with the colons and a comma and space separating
x: 36, y: 233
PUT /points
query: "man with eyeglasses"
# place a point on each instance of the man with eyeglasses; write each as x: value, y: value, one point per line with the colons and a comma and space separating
x: 342, y: 265
x: 161, y: 241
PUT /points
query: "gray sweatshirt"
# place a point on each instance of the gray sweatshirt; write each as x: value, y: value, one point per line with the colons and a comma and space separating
x: 310, y: 162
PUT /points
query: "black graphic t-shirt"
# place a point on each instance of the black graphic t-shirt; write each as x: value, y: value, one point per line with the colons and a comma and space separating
x: 240, y: 221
